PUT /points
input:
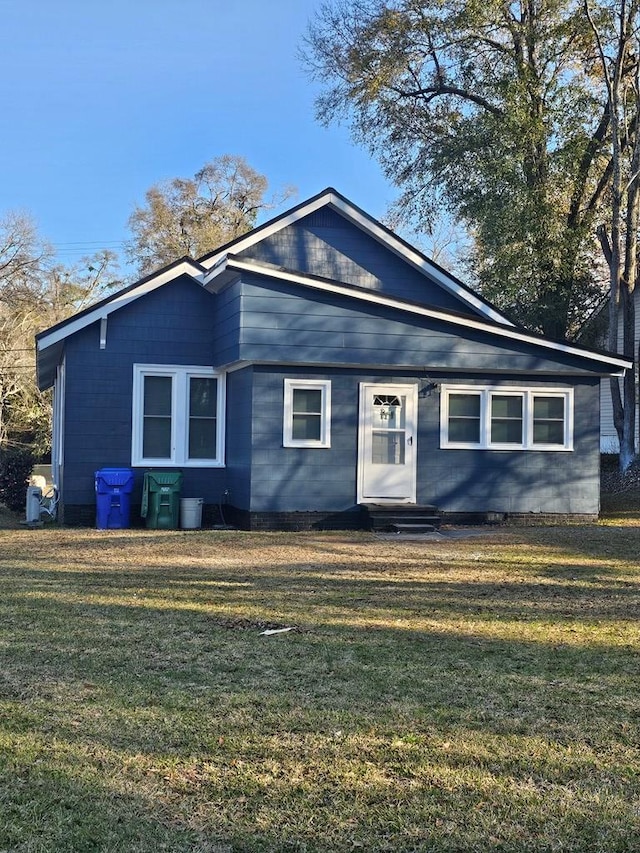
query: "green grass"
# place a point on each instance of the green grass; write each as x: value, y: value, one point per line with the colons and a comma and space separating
x: 469, y: 695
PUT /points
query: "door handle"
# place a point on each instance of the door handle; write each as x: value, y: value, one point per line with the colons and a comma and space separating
x: 410, y: 440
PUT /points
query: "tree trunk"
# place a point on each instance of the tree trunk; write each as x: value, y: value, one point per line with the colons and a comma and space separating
x: 627, y: 435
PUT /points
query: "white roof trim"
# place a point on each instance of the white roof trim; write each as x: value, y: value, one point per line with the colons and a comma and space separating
x: 378, y: 233
x: 411, y: 308
x: 119, y: 301
x: 443, y: 370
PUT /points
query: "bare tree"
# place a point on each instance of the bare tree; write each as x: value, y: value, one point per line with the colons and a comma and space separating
x: 36, y: 292
x: 193, y: 216
x: 615, y: 28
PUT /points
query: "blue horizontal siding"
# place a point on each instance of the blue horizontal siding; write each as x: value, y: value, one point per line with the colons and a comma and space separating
x: 300, y: 479
x: 172, y: 325
x: 286, y: 479
x: 227, y: 322
x: 326, y: 244
x: 284, y: 322
x: 239, y: 443
x: 513, y: 481
x: 270, y: 322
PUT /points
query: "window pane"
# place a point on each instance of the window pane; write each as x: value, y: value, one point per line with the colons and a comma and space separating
x: 387, y: 448
x: 464, y: 418
x: 307, y: 427
x: 202, y: 438
x: 503, y: 406
x: 202, y: 417
x: 202, y: 397
x: 548, y: 432
x: 307, y: 400
x: 548, y: 420
x: 156, y: 439
x: 506, y: 431
x: 506, y: 419
x: 464, y: 430
x: 464, y: 405
x: 157, y: 395
x: 548, y: 408
x: 156, y: 429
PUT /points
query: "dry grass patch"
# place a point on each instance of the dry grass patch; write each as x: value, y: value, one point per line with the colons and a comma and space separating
x: 464, y: 695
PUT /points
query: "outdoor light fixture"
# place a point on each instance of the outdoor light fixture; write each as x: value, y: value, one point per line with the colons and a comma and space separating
x: 428, y: 387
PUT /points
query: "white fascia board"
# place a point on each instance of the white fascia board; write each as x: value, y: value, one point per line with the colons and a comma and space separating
x: 560, y: 375
x: 422, y: 263
x: 380, y: 234
x: 410, y: 308
x: 119, y: 301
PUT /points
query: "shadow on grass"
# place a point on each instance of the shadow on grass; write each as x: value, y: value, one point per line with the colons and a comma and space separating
x: 406, y: 714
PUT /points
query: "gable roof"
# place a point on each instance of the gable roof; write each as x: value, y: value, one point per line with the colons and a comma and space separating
x: 361, y: 219
x: 102, y: 309
x: 49, y: 342
x: 214, y: 269
x: 203, y: 269
x: 229, y: 267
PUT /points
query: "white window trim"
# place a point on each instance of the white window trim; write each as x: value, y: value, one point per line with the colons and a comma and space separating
x: 180, y: 375
x: 322, y: 385
x: 528, y: 396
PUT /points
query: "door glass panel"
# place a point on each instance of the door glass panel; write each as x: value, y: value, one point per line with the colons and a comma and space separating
x: 387, y: 448
x: 388, y: 433
x: 389, y: 411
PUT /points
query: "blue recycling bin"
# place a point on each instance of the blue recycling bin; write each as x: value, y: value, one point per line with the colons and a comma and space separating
x: 113, y: 498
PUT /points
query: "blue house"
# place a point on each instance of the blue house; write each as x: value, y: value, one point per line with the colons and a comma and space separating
x: 316, y: 365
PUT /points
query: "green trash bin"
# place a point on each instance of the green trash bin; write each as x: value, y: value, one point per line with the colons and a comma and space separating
x: 161, y: 499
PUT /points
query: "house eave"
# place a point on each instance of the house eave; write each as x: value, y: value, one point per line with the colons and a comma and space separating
x: 118, y: 300
x: 50, y: 342
x: 230, y: 266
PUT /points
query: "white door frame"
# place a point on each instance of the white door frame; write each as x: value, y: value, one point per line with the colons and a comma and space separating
x: 365, y: 426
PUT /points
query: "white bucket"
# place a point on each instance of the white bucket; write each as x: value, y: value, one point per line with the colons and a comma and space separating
x: 34, y: 496
x: 190, y: 513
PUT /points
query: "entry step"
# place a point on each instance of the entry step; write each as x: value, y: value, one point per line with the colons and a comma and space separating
x: 414, y: 528
x: 416, y: 518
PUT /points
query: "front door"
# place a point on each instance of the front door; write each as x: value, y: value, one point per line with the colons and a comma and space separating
x: 387, y: 449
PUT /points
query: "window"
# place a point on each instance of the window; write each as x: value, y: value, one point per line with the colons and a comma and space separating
x: 506, y: 418
x: 507, y: 425
x: 178, y: 416
x: 307, y: 406
x: 464, y: 418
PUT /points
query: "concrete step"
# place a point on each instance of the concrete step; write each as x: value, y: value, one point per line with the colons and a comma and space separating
x: 400, y: 516
x: 414, y: 528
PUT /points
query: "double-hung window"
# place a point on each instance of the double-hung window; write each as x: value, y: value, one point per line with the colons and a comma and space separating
x: 307, y: 413
x: 178, y: 416
x: 506, y: 418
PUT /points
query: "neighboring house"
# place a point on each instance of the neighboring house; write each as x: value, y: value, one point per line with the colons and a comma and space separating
x: 608, y: 436
x: 314, y: 365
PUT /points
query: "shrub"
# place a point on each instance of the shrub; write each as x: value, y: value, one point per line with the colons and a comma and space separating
x: 16, y: 465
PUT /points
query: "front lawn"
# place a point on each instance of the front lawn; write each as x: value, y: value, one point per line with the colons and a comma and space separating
x: 476, y: 694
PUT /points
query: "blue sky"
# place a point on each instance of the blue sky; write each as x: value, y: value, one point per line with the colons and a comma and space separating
x: 103, y: 99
